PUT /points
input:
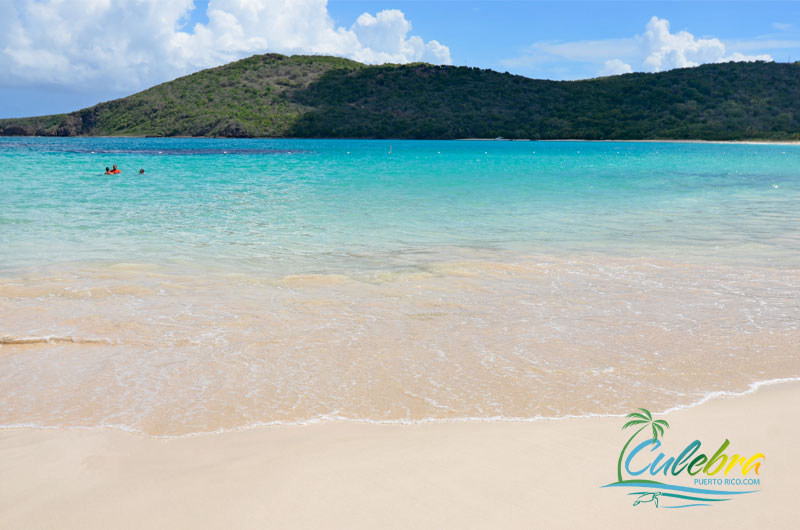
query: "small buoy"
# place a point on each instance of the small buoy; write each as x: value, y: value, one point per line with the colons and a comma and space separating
x: 348, y: 152
x: 775, y: 186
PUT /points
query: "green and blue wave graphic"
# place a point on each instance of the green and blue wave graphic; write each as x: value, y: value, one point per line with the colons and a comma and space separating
x: 702, y: 496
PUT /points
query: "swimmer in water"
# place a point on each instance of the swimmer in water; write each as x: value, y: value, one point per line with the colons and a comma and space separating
x: 141, y: 171
x: 114, y: 170
x: 108, y: 171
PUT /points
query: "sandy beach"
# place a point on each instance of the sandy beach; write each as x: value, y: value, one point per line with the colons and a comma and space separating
x: 663, y: 141
x: 353, y: 475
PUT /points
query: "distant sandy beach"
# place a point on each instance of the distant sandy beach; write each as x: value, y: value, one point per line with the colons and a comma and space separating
x: 735, y: 142
x: 544, y: 474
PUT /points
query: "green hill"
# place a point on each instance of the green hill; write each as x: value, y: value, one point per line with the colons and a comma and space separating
x: 311, y: 96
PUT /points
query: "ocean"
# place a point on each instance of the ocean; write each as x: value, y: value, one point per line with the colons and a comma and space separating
x: 238, y: 283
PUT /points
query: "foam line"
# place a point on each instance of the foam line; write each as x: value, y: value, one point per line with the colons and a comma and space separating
x: 343, y: 419
x: 50, y: 339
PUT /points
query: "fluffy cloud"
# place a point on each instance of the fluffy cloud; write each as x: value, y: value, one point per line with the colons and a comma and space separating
x: 130, y: 44
x: 615, y: 67
x: 385, y: 38
x: 657, y: 49
x: 665, y: 50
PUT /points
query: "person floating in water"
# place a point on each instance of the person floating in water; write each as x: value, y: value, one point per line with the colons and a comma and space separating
x: 108, y: 171
x: 141, y: 171
x: 114, y: 170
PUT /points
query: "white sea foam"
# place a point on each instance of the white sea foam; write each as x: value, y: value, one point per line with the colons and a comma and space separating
x: 522, y: 338
x: 52, y: 339
x: 333, y: 418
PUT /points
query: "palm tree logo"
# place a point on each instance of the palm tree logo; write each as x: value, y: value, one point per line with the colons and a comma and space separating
x: 645, y: 419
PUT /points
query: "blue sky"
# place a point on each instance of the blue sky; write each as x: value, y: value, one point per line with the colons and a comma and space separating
x: 484, y: 33
x: 60, y: 56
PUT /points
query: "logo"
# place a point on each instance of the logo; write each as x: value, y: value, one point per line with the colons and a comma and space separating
x: 688, y: 479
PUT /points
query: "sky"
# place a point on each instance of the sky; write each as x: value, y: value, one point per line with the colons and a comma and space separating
x: 62, y: 55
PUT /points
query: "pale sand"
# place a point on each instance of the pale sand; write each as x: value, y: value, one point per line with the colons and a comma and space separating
x: 543, y: 474
x: 735, y: 142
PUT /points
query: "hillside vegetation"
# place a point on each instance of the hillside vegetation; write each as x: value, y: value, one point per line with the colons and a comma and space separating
x: 311, y: 96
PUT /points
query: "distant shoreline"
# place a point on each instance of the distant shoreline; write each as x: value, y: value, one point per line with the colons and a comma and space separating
x: 733, y: 142
x: 670, y: 141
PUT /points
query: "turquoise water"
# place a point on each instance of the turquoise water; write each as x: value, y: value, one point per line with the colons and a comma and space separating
x: 289, y: 206
x: 249, y: 282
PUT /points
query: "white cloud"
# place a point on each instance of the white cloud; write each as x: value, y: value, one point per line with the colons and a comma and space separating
x: 385, y: 38
x: 657, y: 49
x: 665, y: 50
x: 781, y: 26
x: 131, y: 44
x: 590, y: 51
x: 615, y: 67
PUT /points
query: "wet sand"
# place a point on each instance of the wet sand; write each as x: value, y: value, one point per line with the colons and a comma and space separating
x: 544, y: 474
x: 172, y: 354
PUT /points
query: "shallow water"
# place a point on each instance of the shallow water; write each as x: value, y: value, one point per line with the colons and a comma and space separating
x: 242, y: 282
